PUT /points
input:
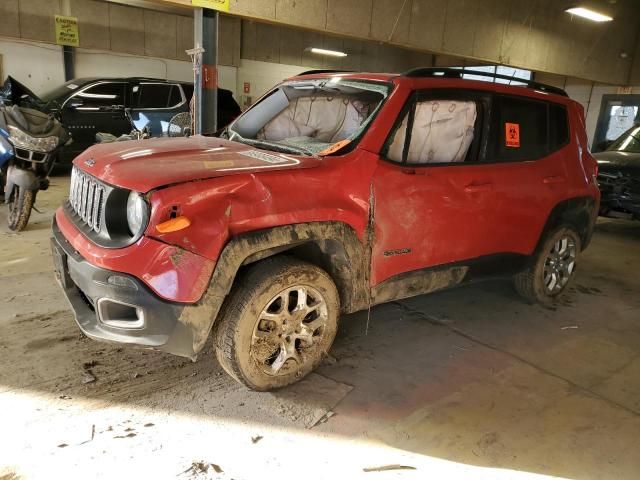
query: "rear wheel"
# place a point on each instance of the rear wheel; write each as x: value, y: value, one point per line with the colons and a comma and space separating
x: 20, y: 205
x: 277, y: 324
x: 553, y: 268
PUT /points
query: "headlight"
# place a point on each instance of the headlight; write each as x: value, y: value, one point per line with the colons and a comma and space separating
x: 137, y: 214
x: 21, y: 139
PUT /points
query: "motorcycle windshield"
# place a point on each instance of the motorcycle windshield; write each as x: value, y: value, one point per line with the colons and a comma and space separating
x: 15, y: 93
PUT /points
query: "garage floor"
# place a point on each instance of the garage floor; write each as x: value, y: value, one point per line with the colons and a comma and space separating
x: 470, y: 383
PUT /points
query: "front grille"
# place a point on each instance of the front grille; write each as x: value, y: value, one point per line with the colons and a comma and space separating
x: 86, y: 198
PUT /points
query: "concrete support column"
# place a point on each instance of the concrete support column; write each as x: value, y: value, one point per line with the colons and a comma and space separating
x: 68, y: 53
x: 206, y: 79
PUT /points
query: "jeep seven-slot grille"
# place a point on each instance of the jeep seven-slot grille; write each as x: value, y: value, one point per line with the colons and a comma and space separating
x: 86, y: 198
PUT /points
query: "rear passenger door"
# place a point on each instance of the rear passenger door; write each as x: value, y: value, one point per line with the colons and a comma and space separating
x: 526, y: 153
x: 432, y: 195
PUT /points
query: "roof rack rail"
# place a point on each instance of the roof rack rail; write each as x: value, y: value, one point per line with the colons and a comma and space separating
x: 457, y: 73
x: 320, y: 71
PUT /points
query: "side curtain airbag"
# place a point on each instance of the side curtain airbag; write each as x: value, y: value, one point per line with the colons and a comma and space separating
x: 442, y: 132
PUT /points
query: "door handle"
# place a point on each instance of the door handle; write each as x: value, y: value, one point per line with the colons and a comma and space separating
x: 553, y: 179
x: 483, y: 187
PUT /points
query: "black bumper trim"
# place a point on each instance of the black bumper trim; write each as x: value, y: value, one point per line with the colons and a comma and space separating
x: 85, y: 284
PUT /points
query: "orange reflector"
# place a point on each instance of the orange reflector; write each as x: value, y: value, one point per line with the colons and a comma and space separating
x: 335, y: 147
x: 173, y: 225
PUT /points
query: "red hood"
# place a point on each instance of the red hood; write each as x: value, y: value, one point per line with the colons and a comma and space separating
x: 147, y: 164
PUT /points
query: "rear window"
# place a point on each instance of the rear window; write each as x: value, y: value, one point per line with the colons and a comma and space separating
x: 524, y: 129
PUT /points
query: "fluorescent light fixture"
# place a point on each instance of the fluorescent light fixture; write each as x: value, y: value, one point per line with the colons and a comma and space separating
x: 331, y: 53
x: 589, y: 14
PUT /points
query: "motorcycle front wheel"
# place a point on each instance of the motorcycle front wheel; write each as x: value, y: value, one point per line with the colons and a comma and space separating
x: 20, y: 204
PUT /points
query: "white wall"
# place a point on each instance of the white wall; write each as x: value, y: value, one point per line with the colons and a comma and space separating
x: 262, y: 76
x: 39, y: 66
x: 589, y: 94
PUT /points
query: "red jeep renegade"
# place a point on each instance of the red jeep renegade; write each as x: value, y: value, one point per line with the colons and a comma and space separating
x: 333, y: 193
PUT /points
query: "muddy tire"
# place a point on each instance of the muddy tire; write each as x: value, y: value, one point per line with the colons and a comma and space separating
x: 277, y: 324
x: 553, y: 267
x: 20, y: 208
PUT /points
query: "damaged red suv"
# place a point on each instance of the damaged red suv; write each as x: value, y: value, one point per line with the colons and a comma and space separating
x: 333, y: 193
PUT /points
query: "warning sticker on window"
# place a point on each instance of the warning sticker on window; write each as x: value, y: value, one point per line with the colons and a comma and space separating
x: 512, y: 135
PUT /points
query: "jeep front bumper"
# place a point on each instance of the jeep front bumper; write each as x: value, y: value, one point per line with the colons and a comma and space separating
x: 117, y: 307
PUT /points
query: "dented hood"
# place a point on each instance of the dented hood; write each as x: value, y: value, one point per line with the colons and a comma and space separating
x: 143, y: 165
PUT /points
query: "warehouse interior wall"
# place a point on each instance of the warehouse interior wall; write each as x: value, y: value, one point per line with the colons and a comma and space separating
x: 121, y: 40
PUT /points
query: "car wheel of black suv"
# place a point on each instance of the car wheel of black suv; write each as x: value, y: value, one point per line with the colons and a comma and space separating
x: 552, y: 268
x: 277, y: 324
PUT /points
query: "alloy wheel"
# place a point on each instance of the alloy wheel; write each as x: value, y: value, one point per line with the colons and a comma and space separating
x: 290, y: 331
x: 560, y: 264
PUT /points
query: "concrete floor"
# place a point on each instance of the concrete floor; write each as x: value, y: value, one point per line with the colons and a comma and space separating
x: 469, y: 383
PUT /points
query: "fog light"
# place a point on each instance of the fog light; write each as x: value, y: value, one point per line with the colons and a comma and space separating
x: 122, y: 282
x: 119, y: 314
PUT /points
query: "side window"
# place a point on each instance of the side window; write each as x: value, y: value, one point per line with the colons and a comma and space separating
x: 101, y: 95
x: 524, y: 129
x: 440, y: 131
x: 558, y: 127
x: 188, y: 91
x: 175, y: 97
x: 157, y: 95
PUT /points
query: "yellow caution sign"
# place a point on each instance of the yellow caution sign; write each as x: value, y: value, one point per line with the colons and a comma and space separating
x: 67, y: 31
x: 221, y: 5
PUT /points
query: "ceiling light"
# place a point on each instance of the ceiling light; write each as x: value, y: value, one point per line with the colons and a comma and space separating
x: 589, y: 14
x: 332, y: 53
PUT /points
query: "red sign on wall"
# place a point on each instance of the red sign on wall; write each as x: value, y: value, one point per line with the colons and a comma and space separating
x: 209, y: 77
x: 247, y: 87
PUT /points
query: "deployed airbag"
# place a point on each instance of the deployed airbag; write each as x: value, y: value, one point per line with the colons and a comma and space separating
x: 324, y: 118
x: 442, y: 132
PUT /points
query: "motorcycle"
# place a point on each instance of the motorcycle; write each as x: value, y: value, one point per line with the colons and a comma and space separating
x: 34, y: 139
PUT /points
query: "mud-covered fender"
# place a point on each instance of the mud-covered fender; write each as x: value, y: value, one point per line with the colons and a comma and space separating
x: 25, y: 179
x: 337, y: 242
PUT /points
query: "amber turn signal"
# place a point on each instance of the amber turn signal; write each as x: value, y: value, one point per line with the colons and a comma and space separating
x: 173, y: 225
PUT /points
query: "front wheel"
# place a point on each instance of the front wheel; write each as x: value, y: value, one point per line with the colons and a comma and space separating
x: 277, y: 324
x: 553, y: 267
x: 20, y: 205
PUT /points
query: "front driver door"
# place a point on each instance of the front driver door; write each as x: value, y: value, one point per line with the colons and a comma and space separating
x: 432, y: 197
x: 96, y: 108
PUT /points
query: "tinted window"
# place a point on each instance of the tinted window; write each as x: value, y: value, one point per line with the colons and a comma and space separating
x: 157, y: 95
x: 558, y: 127
x: 441, y: 131
x: 520, y: 129
x: 188, y: 91
x: 525, y: 129
x: 175, y: 97
x: 101, y: 96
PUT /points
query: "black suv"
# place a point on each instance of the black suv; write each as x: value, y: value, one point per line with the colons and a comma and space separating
x: 87, y: 106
